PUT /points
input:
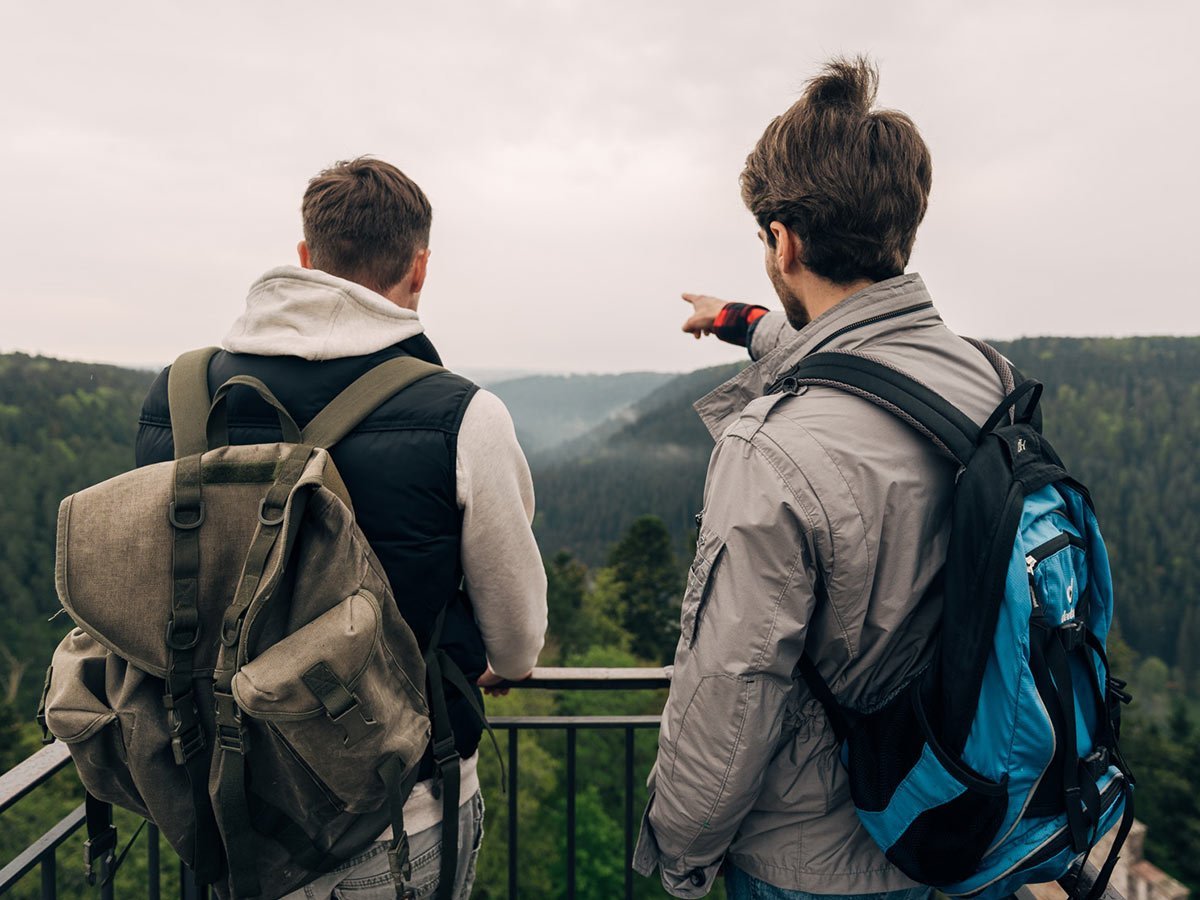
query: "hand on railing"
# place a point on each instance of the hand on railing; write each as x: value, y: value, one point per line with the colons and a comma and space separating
x: 495, y: 686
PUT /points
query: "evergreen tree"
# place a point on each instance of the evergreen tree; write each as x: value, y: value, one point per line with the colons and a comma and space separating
x: 649, y: 584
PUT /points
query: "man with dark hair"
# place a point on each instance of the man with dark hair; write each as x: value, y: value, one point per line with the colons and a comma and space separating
x: 438, y: 482
x: 825, y: 518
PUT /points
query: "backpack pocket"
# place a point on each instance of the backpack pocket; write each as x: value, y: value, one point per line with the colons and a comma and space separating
x: 938, y: 817
x: 79, y: 714
x: 339, y: 702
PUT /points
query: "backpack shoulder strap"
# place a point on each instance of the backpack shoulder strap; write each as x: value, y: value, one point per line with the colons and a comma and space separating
x: 906, y: 398
x: 189, y: 400
x: 1010, y: 379
x: 363, y: 396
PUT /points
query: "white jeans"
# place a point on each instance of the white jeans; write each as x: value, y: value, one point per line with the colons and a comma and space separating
x: 366, y: 876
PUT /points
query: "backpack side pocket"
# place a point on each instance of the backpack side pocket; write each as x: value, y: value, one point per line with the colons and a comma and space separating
x: 79, y: 714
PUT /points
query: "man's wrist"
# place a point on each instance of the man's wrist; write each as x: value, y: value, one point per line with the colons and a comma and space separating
x: 733, y: 322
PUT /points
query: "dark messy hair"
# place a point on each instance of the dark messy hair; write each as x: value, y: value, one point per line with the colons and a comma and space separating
x: 365, y: 220
x: 851, y: 182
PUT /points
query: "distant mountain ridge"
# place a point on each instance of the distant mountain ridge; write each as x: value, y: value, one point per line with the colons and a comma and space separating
x: 550, y: 410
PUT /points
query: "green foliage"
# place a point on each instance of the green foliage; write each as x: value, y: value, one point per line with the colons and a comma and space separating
x: 649, y: 585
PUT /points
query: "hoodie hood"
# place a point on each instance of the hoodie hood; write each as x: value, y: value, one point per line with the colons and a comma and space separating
x: 292, y: 311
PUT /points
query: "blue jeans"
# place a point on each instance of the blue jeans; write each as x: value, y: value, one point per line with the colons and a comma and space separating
x: 741, y: 886
x: 366, y: 876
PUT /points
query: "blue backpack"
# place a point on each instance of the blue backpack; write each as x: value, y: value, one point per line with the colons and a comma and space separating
x: 998, y: 765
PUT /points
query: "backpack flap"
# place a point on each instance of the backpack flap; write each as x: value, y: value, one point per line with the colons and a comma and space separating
x: 114, y: 569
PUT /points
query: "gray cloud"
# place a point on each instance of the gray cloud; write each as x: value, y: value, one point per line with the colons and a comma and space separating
x: 582, y: 159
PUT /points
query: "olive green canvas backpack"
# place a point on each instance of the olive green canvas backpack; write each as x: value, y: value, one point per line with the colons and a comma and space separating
x: 240, y: 674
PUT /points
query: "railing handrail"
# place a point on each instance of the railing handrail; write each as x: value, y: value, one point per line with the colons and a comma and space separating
x: 595, y: 679
x: 33, y: 771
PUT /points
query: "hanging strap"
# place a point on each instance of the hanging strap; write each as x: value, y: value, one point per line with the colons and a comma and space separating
x: 1081, y: 797
x: 445, y: 757
x: 188, y: 399
x: 363, y: 396
x: 399, y: 786
x: 926, y: 411
x: 99, y: 850
x: 839, y: 720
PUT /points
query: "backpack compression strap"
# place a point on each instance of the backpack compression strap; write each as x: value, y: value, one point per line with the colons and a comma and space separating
x: 188, y: 398
x: 363, y: 397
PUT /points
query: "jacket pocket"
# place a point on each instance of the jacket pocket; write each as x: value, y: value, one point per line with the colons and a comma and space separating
x: 79, y: 714
x: 338, y: 702
x: 709, y: 547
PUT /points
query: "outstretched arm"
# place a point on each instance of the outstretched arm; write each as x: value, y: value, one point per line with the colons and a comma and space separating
x: 743, y: 324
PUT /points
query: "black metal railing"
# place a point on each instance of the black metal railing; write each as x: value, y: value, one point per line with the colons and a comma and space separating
x: 39, y: 769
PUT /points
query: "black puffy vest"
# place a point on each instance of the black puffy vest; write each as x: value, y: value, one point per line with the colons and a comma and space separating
x: 399, y: 467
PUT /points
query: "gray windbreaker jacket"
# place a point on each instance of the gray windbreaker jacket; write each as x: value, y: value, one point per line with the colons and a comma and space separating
x: 825, y: 519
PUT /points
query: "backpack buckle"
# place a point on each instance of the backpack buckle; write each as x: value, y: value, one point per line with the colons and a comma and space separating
x: 173, y: 515
x: 183, y: 628
x: 398, y: 860
x: 1095, y: 764
x: 271, y: 521
x: 101, y: 848
x: 1072, y: 635
x: 444, y: 751
x: 230, y: 734
x: 187, y: 737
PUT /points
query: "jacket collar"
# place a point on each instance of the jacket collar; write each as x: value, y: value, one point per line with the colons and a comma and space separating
x: 292, y: 311
x: 874, y: 313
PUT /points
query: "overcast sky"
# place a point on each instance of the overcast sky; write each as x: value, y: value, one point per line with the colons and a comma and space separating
x: 582, y: 161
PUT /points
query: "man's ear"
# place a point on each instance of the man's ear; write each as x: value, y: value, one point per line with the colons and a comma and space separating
x: 305, y: 259
x: 788, y: 247
x: 417, y: 271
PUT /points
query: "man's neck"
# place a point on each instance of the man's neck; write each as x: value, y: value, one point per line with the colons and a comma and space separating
x: 821, y: 295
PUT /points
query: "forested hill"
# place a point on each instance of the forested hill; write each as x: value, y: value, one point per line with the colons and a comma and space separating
x: 63, y: 426
x: 1123, y: 413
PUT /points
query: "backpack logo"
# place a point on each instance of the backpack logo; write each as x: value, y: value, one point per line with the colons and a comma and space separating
x: 1020, y: 445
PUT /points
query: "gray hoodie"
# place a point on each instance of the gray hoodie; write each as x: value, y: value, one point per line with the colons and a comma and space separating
x: 817, y: 487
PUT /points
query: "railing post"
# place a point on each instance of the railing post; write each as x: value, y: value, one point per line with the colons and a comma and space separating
x: 49, y: 868
x: 628, y: 814
x: 153, y: 887
x: 512, y: 813
x: 571, y: 736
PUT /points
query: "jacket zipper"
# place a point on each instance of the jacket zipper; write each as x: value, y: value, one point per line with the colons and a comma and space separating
x: 882, y: 317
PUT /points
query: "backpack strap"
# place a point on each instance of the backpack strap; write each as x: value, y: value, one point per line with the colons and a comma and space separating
x: 922, y: 408
x: 1010, y: 380
x: 188, y: 399
x: 363, y: 396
